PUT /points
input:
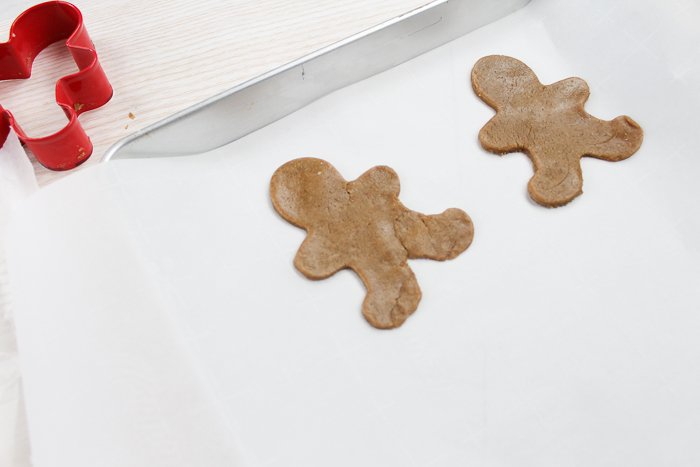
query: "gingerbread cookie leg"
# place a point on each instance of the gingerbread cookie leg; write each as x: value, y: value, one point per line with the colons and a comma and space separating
x: 557, y: 181
x: 317, y: 258
x: 392, y: 294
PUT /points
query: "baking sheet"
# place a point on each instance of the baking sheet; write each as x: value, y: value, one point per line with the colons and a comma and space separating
x: 172, y: 328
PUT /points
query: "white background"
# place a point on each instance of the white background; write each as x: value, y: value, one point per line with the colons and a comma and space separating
x: 173, y: 330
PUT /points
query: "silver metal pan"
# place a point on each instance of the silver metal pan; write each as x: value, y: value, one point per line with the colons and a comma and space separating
x: 229, y: 116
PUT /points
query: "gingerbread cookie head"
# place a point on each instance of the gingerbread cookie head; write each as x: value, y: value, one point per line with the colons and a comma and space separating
x: 550, y: 125
x: 362, y: 225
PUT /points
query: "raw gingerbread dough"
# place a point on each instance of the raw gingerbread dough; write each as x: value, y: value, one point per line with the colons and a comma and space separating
x: 549, y: 124
x: 363, y: 226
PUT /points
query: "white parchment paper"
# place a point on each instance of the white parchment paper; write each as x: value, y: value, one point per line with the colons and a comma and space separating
x: 17, y: 183
x: 161, y: 321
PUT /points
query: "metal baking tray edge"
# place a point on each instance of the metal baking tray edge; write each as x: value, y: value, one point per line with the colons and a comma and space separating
x: 229, y: 115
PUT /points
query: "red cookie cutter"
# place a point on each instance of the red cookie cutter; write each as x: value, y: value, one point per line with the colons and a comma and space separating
x: 88, y: 89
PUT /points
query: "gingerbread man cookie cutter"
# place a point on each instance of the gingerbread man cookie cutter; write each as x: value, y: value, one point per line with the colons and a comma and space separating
x: 550, y: 125
x: 362, y: 225
x: 33, y: 31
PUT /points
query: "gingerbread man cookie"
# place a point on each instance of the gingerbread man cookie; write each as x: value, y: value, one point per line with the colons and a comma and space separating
x: 550, y: 125
x: 362, y: 225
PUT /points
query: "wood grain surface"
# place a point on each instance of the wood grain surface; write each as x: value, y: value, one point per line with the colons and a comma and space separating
x: 161, y: 57
x: 164, y: 56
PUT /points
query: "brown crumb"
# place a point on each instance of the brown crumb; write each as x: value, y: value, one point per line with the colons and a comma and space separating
x: 132, y: 116
x: 77, y: 107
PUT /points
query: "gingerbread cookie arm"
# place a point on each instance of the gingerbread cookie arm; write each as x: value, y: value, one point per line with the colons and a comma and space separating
x: 318, y: 258
x: 381, y: 180
x: 496, y: 137
x: 614, y: 140
x: 569, y: 92
x: 607, y: 140
x: 439, y: 237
